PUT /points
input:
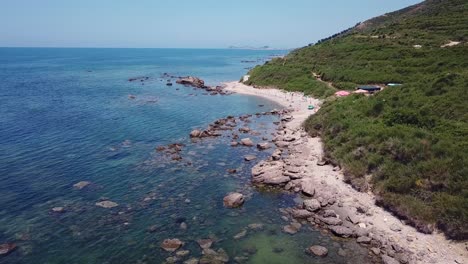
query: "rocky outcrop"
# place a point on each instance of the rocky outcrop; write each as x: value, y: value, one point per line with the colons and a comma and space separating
x: 191, y: 81
x: 233, y: 200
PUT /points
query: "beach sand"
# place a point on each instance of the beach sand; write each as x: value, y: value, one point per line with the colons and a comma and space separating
x: 390, y: 232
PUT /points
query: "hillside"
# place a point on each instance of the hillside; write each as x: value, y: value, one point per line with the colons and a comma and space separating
x: 412, y: 139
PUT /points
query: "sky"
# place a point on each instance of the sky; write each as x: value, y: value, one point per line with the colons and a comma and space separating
x: 181, y: 23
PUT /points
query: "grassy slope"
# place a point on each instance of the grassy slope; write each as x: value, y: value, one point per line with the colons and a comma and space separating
x: 412, y: 139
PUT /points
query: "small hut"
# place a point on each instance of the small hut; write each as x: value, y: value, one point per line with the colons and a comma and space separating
x: 369, y: 88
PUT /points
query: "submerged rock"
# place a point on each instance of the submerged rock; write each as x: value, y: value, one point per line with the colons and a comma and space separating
x: 107, y: 204
x: 80, y: 185
x: 58, y: 209
x: 205, y: 243
x: 233, y: 200
x: 249, y: 157
x: 318, y: 251
x: 171, y: 245
x: 7, y: 248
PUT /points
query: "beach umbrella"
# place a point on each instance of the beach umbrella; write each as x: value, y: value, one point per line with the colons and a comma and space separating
x: 342, y: 93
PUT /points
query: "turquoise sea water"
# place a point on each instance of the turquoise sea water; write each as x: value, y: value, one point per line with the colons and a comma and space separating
x: 66, y: 116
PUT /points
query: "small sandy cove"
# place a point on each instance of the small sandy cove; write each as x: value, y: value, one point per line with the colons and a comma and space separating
x: 353, y: 207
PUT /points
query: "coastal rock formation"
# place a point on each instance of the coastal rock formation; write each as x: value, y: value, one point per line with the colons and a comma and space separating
x: 171, y: 245
x: 233, y: 200
x: 191, y: 81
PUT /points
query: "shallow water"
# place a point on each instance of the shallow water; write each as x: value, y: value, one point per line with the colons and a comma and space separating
x: 66, y: 116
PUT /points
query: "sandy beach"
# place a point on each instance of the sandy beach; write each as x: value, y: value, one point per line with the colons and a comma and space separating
x: 384, y: 234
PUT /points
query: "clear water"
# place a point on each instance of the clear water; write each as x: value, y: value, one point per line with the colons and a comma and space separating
x: 65, y: 117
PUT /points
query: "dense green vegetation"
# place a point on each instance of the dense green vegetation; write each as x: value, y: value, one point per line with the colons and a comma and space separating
x: 412, y: 139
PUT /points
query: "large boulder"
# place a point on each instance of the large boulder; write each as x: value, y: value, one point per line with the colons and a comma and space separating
x: 171, y: 245
x: 308, y: 187
x: 233, y: 200
x: 269, y: 173
x: 191, y: 81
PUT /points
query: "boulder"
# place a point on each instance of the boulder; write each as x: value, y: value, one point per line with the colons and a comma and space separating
x: 282, y: 144
x: 276, y: 154
x: 195, y: 133
x: 341, y: 231
x: 364, y: 240
x: 331, y: 220
x: 312, y: 205
x: 247, y: 142
x: 291, y: 229
x: 318, y: 251
x: 308, y: 187
x: 244, y: 129
x: 171, y: 245
x: 389, y: 260
x: 107, y: 204
x: 233, y: 200
x: 234, y: 144
x: 301, y: 213
x: 278, y: 180
x: 263, y: 146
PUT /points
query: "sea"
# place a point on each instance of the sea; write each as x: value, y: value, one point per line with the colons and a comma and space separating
x: 70, y: 115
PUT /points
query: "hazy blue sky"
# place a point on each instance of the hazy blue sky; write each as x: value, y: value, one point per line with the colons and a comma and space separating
x: 181, y: 23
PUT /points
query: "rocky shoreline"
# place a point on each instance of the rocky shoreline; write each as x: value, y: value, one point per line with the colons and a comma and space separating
x: 328, y: 202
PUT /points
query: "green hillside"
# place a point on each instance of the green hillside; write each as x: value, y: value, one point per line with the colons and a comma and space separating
x: 412, y: 139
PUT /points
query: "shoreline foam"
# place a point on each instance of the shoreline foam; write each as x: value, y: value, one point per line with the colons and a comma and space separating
x: 390, y: 235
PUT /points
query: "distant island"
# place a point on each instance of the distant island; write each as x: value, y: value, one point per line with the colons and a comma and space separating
x: 253, y: 48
